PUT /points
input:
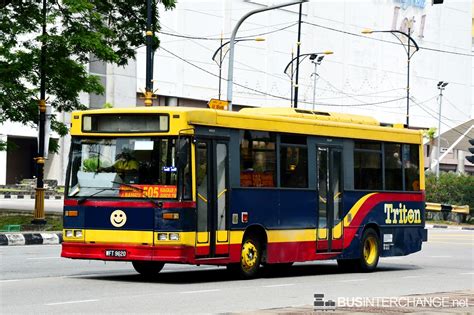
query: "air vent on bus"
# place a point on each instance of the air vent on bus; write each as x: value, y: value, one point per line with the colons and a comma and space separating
x: 310, y: 112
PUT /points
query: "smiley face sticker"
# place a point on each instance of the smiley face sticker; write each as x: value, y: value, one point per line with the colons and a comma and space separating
x: 118, y: 218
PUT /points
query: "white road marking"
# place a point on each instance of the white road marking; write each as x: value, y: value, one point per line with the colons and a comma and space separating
x: 200, y: 291
x: 467, y: 273
x: 71, y: 302
x: 440, y: 256
x: 411, y: 277
x: 278, y: 285
x: 42, y: 258
x: 352, y: 280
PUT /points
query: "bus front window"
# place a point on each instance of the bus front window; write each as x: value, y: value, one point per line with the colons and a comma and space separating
x: 125, y: 168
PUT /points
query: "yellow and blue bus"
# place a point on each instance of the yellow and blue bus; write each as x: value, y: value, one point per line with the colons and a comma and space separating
x: 259, y: 187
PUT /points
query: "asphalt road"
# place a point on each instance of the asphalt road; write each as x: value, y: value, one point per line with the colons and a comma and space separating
x: 34, y: 279
x: 28, y: 205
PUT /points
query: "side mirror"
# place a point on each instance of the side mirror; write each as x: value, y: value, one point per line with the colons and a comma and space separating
x: 182, y: 153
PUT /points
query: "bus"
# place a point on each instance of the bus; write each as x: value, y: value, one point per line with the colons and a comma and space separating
x: 261, y: 187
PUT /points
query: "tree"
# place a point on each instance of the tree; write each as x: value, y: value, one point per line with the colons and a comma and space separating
x: 429, y: 134
x: 77, y: 32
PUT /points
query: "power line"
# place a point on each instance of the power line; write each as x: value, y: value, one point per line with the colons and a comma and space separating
x: 383, y: 40
x: 452, y: 128
x: 273, y: 95
x: 227, y: 38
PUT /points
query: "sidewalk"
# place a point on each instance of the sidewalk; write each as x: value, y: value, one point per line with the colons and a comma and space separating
x: 456, y: 302
x: 51, y: 206
x: 450, y: 227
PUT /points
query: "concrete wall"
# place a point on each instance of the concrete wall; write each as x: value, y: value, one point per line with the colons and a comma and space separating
x: 362, y: 70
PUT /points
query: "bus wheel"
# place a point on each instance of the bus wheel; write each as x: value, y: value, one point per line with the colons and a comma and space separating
x: 250, y: 257
x: 148, y: 268
x: 370, y: 251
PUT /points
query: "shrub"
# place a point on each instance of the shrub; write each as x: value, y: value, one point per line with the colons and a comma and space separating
x: 451, y: 188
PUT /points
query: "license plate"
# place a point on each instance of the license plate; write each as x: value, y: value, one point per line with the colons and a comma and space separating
x: 116, y: 253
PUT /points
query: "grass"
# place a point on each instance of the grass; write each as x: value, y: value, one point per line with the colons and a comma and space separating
x: 10, y: 190
x: 53, y: 222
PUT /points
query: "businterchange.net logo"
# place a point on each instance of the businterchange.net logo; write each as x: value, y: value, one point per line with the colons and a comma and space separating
x: 321, y: 304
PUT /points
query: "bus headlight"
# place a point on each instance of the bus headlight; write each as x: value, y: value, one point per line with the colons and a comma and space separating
x: 78, y: 233
x: 162, y: 236
x: 69, y: 233
x: 174, y: 236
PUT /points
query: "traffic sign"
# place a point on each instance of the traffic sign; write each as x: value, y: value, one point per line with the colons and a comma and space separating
x: 218, y: 104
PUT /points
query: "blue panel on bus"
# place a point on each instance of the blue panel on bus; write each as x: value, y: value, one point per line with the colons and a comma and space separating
x: 275, y: 209
x: 137, y: 218
x: 298, y: 209
x: 140, y: 219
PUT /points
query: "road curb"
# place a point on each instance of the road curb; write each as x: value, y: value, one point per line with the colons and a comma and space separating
x: 12, y: 239
x: 448, y: 227
x: 29, y: 196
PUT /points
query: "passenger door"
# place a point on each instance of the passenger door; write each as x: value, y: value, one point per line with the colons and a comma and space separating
x: 212, y: 233
x: 329, y: 235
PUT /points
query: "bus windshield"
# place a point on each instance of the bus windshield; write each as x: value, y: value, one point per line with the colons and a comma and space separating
x: 138, y: 167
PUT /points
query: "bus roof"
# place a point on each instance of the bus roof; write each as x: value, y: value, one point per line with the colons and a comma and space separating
x: 270, y: 119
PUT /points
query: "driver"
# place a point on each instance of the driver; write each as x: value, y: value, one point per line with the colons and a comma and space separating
x: 125, y: 162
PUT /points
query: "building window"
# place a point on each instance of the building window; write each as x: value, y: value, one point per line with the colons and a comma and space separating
x: 257, y: 159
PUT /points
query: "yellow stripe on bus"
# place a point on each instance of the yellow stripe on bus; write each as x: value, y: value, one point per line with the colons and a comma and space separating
x: 116, y: 236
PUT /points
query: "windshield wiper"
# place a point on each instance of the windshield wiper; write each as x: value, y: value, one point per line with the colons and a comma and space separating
x: 158, y: 204
x: 82, y: 199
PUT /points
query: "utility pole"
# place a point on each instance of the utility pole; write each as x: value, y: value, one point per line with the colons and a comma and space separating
x: 441, y: 87
x: 220, y: 66
x: 298, y: 46
x: 230, y: 72
x: 39, y: 217
x: 408, y: 74
x: 149, y: 55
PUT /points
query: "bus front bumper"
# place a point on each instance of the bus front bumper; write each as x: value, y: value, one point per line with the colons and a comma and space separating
x: 126, y: 252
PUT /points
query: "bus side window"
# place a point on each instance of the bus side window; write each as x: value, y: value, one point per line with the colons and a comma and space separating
x: 411, y: 167
x: 257, y: 159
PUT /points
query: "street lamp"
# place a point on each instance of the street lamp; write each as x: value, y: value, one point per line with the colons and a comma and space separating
x: 312, y: 56
x: 441, y: 86
x: 230, y: 72
x: 409, y: 55
x: 225, y: 47
x: 316, y: 61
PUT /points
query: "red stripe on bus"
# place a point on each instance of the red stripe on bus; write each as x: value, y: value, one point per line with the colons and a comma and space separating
x: 369, y: 204
x: 130, y: 204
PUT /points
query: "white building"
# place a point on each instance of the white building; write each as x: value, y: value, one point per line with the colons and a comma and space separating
x: 366, y: 74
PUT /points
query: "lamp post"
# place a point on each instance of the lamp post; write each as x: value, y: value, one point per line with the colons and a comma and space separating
x: 39, y: 217
x: 230, y: 72
x: 149, y: 56
x: 409, y: 55
x: 441, y: 86
x: 222, y: 55
x: 316, y: 61
x: 312, y: 56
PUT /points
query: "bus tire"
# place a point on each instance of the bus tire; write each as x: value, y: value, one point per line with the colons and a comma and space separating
x: 250, y: 257
x: 369, y: 251
x: 148, y: 268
